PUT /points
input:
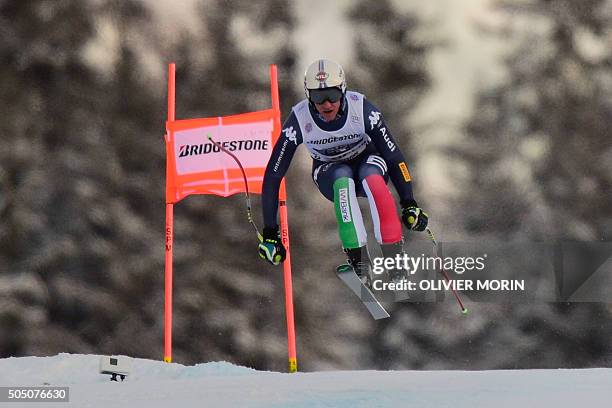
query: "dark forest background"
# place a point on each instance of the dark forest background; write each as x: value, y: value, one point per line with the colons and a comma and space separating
x: 82, y: 186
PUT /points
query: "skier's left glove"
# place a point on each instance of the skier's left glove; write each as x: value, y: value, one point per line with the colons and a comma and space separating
x: 271, y: 248
x: 414, y: 217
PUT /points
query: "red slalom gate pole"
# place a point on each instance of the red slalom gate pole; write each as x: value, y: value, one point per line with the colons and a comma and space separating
x: 284, y: 230
x: 169, y: 228
x: 291, y: 348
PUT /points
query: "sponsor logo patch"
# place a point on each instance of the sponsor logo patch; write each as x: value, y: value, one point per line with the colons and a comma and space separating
x: 291, y: 134
x: 405, y: 172
x: 390, y: 144
x: 374, y: 118
x: 334, y: 139
x: 280, y: 156
x: 345, y: 210
x: 188, y: 150
x: 308, y: 127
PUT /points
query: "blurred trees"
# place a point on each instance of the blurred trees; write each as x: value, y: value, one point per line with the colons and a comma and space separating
x: 537, y: 151
x: 47, y: 93
x: 76, y: 232
x: 537, y: 166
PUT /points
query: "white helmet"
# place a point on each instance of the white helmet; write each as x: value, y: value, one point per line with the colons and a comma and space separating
x: 324, y: 73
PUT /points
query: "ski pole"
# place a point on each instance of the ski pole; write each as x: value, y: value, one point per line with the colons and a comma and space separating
x: 431, y: 236
x: 246, y: 186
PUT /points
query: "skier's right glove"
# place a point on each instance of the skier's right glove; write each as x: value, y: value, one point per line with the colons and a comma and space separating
x: 271, y: 248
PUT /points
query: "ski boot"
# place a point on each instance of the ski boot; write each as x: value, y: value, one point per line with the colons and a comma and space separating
x: 391, y: 251
x: 359, y: 259
x: 396, y: 274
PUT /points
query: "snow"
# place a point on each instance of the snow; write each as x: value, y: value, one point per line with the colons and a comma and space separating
x: 221, y: 384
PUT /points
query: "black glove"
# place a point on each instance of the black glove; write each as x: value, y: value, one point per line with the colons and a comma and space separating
x: 271, y: 248
x: 414, y: 217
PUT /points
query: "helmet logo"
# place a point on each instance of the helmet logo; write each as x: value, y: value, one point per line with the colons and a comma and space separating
x: 321, y: 76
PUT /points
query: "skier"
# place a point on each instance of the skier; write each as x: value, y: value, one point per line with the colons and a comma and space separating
x: 353, y: 155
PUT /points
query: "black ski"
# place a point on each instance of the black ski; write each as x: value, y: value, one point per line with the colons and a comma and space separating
x: 347, y: 274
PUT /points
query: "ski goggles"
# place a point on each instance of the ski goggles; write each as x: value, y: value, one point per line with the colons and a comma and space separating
x: 319, y: 96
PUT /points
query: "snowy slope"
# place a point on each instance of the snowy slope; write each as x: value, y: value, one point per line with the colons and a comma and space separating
x: 156, y: 384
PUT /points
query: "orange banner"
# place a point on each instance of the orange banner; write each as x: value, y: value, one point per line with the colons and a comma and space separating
x: 197, y: 166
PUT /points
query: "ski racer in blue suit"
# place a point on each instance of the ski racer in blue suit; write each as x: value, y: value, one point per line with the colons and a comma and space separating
x: 353, y: 155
